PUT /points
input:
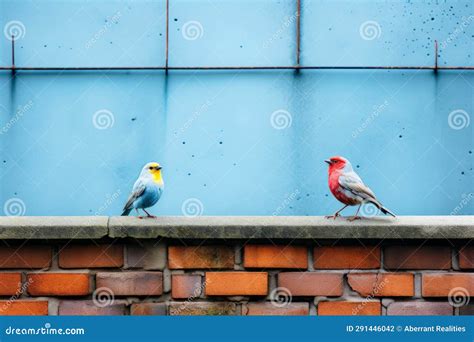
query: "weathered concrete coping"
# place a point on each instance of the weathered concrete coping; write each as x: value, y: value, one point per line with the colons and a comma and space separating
x: 239, y: 227
x: 53, y: 227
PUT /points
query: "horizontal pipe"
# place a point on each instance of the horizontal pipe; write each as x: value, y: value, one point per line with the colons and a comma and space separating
x: 291, y: 67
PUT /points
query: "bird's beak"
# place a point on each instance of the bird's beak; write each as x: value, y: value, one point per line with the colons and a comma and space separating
x: 328, y: 161
x: 158, y: 168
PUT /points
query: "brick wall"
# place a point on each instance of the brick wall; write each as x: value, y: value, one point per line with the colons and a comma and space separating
x: 235, y: 277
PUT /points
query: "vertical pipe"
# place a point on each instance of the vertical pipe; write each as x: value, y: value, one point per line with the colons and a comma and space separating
x: 13, y: 52
x: 167, y: 34
x: 298, y: 31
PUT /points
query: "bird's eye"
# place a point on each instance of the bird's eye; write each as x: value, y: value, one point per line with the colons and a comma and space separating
x: 151, y: 167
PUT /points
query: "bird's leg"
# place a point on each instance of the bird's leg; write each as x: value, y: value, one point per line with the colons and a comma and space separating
x: 138, y: 214
x: 150, y: 216
x: 355, y: 217
x: 336, y: 214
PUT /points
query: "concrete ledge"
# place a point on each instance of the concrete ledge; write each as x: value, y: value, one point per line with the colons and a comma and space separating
x: 53, y: 227
x: 241, y: 227
x: 296, y: 227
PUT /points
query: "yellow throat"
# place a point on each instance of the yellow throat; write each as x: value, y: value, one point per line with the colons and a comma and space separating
x: 157, y: 177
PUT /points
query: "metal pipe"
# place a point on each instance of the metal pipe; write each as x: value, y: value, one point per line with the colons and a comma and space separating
x: 167, y: 34
x: 298, y: 31
x: 288, y: 67
x: 13, y: 52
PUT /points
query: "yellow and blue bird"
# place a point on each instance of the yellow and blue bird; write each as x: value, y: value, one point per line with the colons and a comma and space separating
x: 146, y: 191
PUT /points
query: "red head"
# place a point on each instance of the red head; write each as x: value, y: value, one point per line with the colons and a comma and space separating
x: 337, y: 163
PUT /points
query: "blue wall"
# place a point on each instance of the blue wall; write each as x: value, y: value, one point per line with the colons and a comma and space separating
x: 213, y: 131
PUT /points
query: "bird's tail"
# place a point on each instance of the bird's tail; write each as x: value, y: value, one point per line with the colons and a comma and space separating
x: 386, y: 211
x: 382, y: 208
x: 126, y: 211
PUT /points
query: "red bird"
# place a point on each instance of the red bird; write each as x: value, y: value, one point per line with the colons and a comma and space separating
x: 348, y: 188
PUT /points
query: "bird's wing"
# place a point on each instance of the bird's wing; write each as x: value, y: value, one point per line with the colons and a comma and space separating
x: 351, y: 181
x: 137, y: 191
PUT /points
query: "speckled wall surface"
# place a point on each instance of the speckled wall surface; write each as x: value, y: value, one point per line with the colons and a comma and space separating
x: 236, y: 142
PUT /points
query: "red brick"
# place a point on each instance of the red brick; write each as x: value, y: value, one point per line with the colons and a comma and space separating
x: 270, y: 309
x: 420, y: 308
x: 203, y: 309
x: 236, y: 283
x: 10, y: 284
x: 147, y: 255
x: 311, y: 283
x: 466, y: 257
x: 185, y: 286
x: 467, y: 310
x: 23, y: 308
x: 341, y: 308
x: 26, y: 256
x: 91, y: 256
x: 346, y: 257
x: 441, y: 284
x: 269, y: 256
x: 58, y: 284
x: 203, y: 257
x: 383, y: 284
x: 89, y: 308
x: 417, y: 257
x: 148, y: 309
x: 131, y: 283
